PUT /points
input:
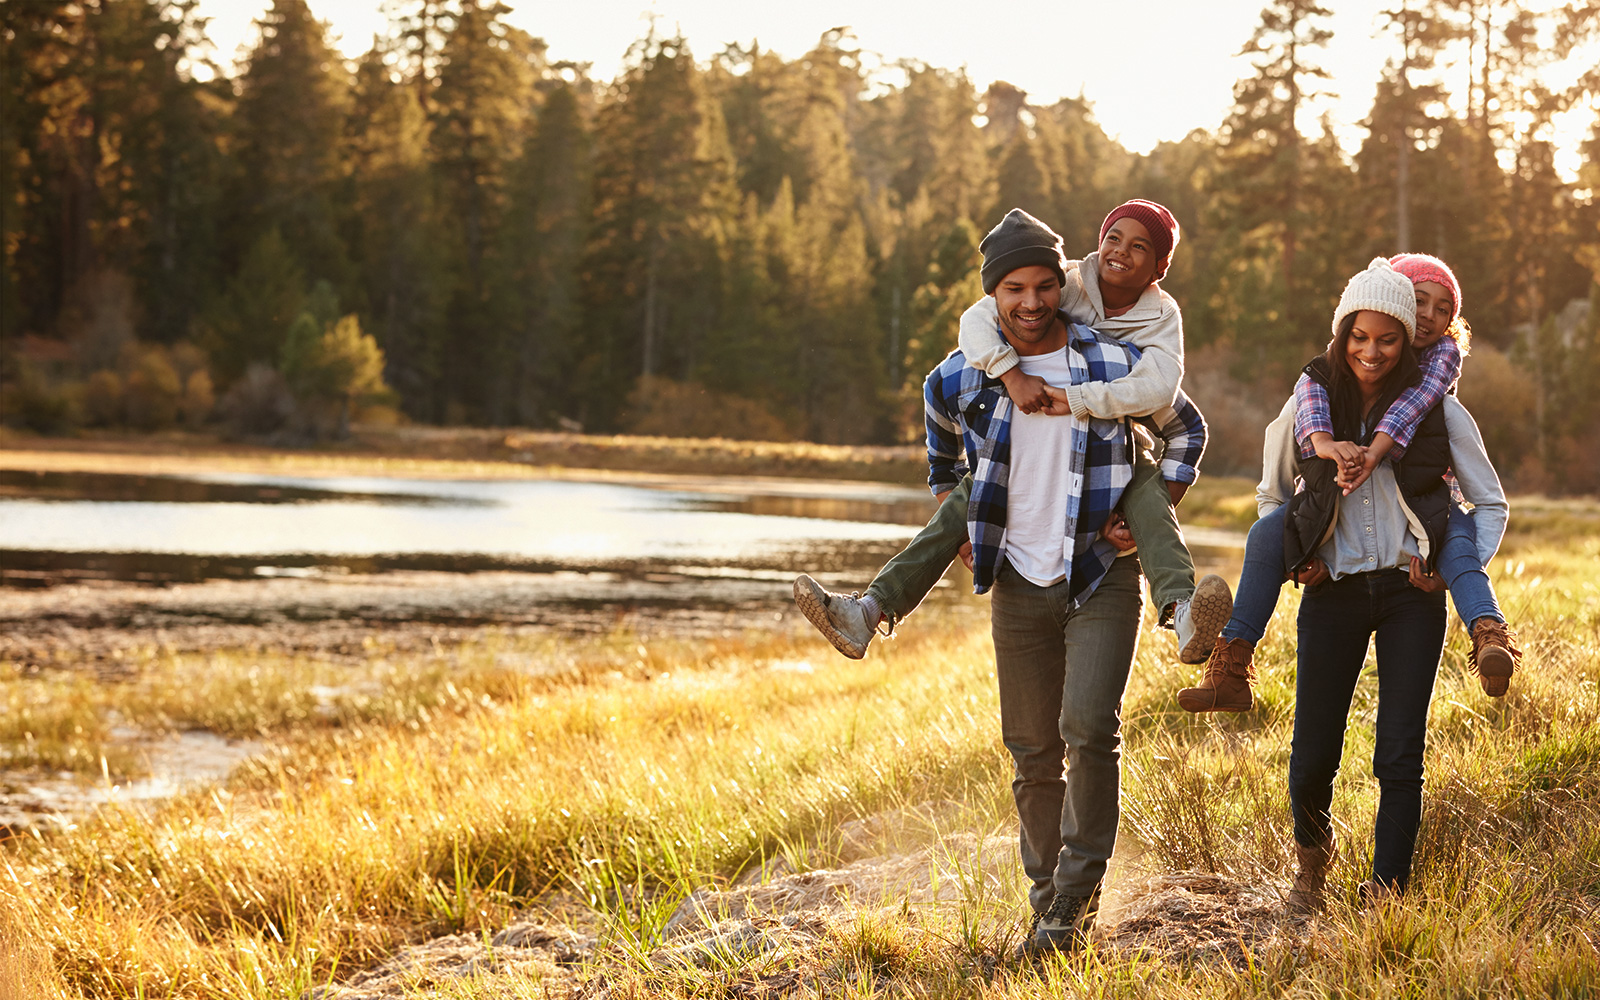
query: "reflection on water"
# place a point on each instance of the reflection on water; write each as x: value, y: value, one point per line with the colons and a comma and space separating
x: 162, y: 528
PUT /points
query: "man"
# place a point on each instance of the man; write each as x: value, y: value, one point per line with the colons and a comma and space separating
x: 1065, y: 610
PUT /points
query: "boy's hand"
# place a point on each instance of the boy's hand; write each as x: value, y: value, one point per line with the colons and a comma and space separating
x: 1177, y: 490
x: 965, y: 552
x: 1116, y: 531
x: 1059, y: 407
x: 1029, y: 392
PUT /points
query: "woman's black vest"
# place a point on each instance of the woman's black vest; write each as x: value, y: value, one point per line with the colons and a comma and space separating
x: 1420, y: 475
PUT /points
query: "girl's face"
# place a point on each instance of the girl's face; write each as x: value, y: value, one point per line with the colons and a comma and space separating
x: 1373, y: 348
x: 1434, y: 309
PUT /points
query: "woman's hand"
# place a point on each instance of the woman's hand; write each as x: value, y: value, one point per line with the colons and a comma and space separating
x: 1314, y: 572
x: 1116, y: 532
x: 965, y: 552
x: 1429, y: 583
x: 1352, y: 480
x: 1027, y: 391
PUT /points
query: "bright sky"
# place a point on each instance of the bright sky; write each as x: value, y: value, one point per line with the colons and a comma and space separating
x: 1153, y: 71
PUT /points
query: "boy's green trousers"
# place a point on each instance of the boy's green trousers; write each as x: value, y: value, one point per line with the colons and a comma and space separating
x: 1146, y: 505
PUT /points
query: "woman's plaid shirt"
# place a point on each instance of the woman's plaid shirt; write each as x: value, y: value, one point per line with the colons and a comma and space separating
x: 969, y: 414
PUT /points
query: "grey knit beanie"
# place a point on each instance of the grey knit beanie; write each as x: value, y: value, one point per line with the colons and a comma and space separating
x: 1380, y: 288
x: 1020, y: 240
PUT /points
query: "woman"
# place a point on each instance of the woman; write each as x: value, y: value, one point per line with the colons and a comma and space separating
x: 1369, y: 563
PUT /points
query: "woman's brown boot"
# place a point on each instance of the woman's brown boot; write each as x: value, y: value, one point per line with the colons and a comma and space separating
x: 1226, y: 685
x: 1495, y: 655
x: 1306, y: 895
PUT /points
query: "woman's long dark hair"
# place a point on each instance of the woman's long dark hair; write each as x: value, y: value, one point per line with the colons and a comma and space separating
x: 1344, y: 392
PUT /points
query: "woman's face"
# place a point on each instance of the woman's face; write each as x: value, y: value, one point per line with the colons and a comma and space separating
x: 1373, y: 348
x: 1434, y: 309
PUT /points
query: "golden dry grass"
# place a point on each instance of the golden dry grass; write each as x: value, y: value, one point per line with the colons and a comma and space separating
x: 618, y: 775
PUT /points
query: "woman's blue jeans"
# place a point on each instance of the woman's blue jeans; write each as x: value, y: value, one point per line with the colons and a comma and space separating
x: 1262, y: 578
x: 1337, y: 618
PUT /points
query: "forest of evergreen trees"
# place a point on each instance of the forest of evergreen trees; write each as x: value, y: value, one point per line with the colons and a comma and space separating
x: 459, y: 229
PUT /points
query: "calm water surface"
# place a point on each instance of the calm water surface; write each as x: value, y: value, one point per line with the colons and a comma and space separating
x: 506, y: 523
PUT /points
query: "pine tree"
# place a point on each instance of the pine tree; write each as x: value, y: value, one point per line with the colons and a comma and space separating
x: 482, y: 104
x: 290, y: 123
x: 547, y: 226
x: 664, y: 197
x: 1262, y: 148
x: 397, y: 234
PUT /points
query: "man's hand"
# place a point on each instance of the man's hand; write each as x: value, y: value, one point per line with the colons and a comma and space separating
x: 1430, y: 583
x: 1315, y: 572
x: 1115, y: 531
x: 1176, y: 491
x: 965, y: 552
x: 1029, y: 392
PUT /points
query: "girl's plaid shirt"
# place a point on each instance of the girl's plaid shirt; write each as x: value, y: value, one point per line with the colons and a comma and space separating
x: 968, y: 419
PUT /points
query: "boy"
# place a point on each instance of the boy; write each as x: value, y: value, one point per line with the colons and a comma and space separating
x: 1115, y: 291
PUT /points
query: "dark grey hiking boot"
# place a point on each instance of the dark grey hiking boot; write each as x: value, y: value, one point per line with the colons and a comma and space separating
x: 839, y: 617
x: 1064, y: 928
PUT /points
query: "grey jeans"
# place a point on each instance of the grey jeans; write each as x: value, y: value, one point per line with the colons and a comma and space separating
x: 1062, y: 672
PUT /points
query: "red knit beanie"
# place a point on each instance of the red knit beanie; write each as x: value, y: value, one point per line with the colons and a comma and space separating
x: 1162, y: 226
x: 1420, y: 267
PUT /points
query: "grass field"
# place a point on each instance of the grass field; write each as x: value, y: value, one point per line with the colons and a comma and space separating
x: 597, y: 783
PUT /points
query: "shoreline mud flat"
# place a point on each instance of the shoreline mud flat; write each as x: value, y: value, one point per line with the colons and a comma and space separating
x: 94, y: 624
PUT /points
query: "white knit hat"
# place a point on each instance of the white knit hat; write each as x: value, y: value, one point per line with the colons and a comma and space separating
x: 1380, y: 288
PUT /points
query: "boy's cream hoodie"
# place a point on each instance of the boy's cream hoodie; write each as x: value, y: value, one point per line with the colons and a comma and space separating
x: 1154, y: 325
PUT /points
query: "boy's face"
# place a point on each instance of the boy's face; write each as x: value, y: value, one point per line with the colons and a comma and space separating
x: 1127, y: 256
x: 1027, y: 300
x: 1434, y: 307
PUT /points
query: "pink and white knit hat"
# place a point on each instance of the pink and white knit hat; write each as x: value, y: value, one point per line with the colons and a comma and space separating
x: 1420, y: 267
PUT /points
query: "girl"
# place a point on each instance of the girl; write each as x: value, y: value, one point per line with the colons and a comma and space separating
x: 1442, y: 339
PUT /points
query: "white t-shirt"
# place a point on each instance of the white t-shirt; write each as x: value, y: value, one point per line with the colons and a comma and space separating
x: 1040, y: 481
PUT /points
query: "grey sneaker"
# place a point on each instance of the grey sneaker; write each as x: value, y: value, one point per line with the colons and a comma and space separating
x: 1064, y: 927
x: 1199, y: 620
x: 840, y: 617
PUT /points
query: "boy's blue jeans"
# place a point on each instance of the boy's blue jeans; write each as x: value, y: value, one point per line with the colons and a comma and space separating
x: 1262, y: 578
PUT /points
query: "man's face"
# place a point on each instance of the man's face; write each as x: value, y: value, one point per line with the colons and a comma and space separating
x: 1027, y: 300
x: 1127, y: 255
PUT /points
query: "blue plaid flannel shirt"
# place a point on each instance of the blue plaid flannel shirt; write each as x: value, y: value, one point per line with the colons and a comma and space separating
x: 969, y: 426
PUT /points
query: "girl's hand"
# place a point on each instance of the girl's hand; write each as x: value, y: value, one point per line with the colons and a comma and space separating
x: 1346, y: 453
x: 965, y: 552
x: 1347, y: 457
x: 1352, y: 481
x: 1429, y: 583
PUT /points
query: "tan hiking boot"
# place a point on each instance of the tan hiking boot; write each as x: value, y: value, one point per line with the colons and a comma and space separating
x: 1226, y: 685
x: 1309, y: 882
x: 1495, y: 655
x: 1374, y: 894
